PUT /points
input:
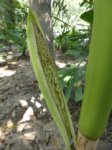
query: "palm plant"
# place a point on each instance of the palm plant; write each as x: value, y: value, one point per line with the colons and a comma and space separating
x: 97, y: 102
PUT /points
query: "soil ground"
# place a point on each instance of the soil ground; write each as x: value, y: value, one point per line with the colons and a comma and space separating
x: 25, y: 122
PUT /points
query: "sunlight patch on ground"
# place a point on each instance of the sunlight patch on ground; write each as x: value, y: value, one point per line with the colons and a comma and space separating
x: 29, y: 113
x: 30, y: 136
x: 44, y: 110
x: 60, y: 64
x: 77, y: 64
x: 13, y: 63
x: 37, y: 104
x: 2, y: 136
x: 22, y: 126
x: 5, y: 72
x: 80, y: 64
x: 26, y: 130
x: 10, y: 124
x: 32, y: 99
x: 24, y: 103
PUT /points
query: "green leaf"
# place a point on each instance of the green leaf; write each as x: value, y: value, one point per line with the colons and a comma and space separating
x: 48, y: 79
x: 78, y: 94
x: 69, y: 89
x: 88, y: 16
x: 2, y: 37
x: 73, y: 53
x: 66, y: 71
x: 67, y: 77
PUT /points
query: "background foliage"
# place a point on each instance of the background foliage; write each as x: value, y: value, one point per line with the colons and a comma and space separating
x: 13, y: 23
x: 72, y: 29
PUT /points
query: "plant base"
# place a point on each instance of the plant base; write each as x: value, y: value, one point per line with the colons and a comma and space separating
x: 85, y: 144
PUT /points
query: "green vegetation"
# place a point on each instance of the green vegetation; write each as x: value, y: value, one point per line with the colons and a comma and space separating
x: 48, y: 80
x: 97, y: 97
x: 74, y: 43
x: 13, y: 24
x: 71, y: 39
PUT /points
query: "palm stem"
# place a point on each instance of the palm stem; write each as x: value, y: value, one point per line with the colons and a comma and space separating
x: 84, y: 143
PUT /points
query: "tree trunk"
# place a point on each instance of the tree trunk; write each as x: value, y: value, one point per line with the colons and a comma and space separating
x: 43, y: 11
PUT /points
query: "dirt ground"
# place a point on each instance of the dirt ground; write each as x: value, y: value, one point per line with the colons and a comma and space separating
x: 25, y: 123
